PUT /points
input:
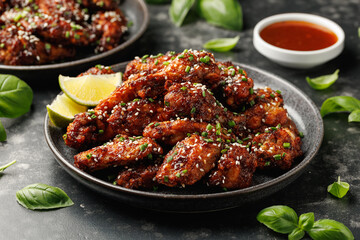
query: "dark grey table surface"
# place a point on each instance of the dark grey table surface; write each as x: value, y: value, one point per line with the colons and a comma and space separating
x: 96, y: 217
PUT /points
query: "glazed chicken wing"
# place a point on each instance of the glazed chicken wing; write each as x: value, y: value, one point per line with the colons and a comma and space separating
x: 235, y: 168
x: 276, y: 148
x: 123, y: 150
x: 188, y: 162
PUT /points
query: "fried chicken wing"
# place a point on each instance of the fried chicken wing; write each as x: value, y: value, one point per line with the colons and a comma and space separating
x: 171, y: 132
x: 133, y: 117
x: 235, y: 168
x: 110, y: 25
x: 19, y: 47
x: 123, y: 150
x: 188, y: 162
x: 276, y: 148
x: 141, y: 176
x: 236, y: 86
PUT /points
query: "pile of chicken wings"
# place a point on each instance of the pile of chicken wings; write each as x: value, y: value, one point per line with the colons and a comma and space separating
x: 184, y: 118
x: 36, y: 32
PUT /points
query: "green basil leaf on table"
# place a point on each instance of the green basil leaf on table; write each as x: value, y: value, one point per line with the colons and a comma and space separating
x: 297, y: 234
x: 2, y: 168
x: 2, y: 133
x: 306, y: 221
x: 338, y: 189
x: 15, y: 96
x: 281, y: 219
x: 41, y: 196
x: 339, y: 104
x: 354, y: 116
x: 323, y: 82
x: 222, y: 13
x: 326, y: 229
x: 221, y: 44
x: 179, y: 10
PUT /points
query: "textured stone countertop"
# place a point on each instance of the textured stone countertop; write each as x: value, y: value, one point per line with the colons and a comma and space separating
x: 96, y: 217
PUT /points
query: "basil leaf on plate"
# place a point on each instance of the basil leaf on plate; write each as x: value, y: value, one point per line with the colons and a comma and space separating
x: 338, y: 189
x: 306, y: 221
x: 41, y: 196
x: 281, y: 219
x: 2, y: 168
x: 323, y: 82
x: 15, y: 96
x: 297, y: 234
x: 2, y: 133
x: 326, y: 229
x: 179, y: 10
x: 354, y: 116
x: 221, y: 44
x: 339, y: 104
x: 222, y: 13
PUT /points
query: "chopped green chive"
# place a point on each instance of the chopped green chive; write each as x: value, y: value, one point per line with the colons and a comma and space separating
x: 205, y: 59
x: 267, y: 163
x: 185, y: 171
x: 219, y: 140
x: 231, y: 123
x: 67, y: 34
x: 76, y: 36
x: 181, y: 56
x: 183, y: 88
x: 218, y: 132
x: 122, y: 104
x: 187, y: 69
x: 88, y: 156
x: 251, y: 90
x: 203, y: 93
x: 166, y: 178
x: 166, y: 63
x: 136, y: 99
x: 167, y: 103
x: 156, y: 124
x: 204, y: 134
x: 101, y: 131
x: 286, y: 145
x: 283, y: 155
x: 218, y: 126
x: 209, y: 127
x: 244, y: 79
x: 252, y: 103
x: 193, y: 110
x: 150, y: 156
x: 191, y: 58
x: 224, y: 150
x: 151, y: 100
x: 301, y: 134
x: 156, y: 62
x: 245, y: 139
x: 177, y: 175
x: 272, y: 95
x: 262, y: 96
x: 277, y: 157
x: 278, y: 91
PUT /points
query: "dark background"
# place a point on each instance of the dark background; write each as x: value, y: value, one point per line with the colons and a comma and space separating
x: 96, y: 217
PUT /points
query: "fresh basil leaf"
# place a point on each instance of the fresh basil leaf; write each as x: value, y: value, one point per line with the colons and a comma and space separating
x: 15, y: 96
x: 326, y: 229
x: 41, y: 196
x: 297, y: 234
x: 306, y: 221
x: 354, y: 116
x: 157, y: 1
x: 222, y: 13
x: 2, y: 168
x: 323, y: 82
x: 222, y: 44
x: 179, y: 10
x: 338, y: 189
x: 2, y: 133
x: 279, y: 218
x: 339, y: 104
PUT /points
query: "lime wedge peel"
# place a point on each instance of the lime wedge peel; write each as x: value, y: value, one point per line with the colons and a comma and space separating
x: 62, y: 110
x: 88, y: 90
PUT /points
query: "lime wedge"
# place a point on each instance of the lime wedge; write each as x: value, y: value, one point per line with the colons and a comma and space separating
x: 88, y: 90
x: 62, y: 110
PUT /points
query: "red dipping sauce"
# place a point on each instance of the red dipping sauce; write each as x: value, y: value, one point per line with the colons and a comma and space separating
x: 298, y: 35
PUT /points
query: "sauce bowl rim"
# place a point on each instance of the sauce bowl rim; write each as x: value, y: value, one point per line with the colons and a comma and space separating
x: 310, y: 18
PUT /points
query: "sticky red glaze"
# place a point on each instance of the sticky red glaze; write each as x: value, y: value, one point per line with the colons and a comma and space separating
x: 298, y: 35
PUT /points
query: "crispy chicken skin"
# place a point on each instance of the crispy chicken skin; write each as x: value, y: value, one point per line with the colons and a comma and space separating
x: 235, y: 168
x: 142, y: 176
x: 123, y: 150
x: 18, y: 47
x: 188, y: 161
x: 171, y: 132
x: 219, y: 127
x: 134, y: 116
x: 276, y: 148
x: 59, y: 25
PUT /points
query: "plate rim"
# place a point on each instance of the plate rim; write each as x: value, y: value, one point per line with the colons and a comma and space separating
x: 233, y: 193
x: 96, y: 57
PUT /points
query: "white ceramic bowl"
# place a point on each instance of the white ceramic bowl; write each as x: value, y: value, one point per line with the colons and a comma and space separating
x: 298, y: 59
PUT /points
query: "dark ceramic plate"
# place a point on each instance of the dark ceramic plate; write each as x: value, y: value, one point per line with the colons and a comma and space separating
x: 136, y: 12
x: 198, y: 198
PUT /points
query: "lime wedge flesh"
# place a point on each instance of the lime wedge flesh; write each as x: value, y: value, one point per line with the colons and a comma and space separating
x: 88, y: 90
x: 62, y: 110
